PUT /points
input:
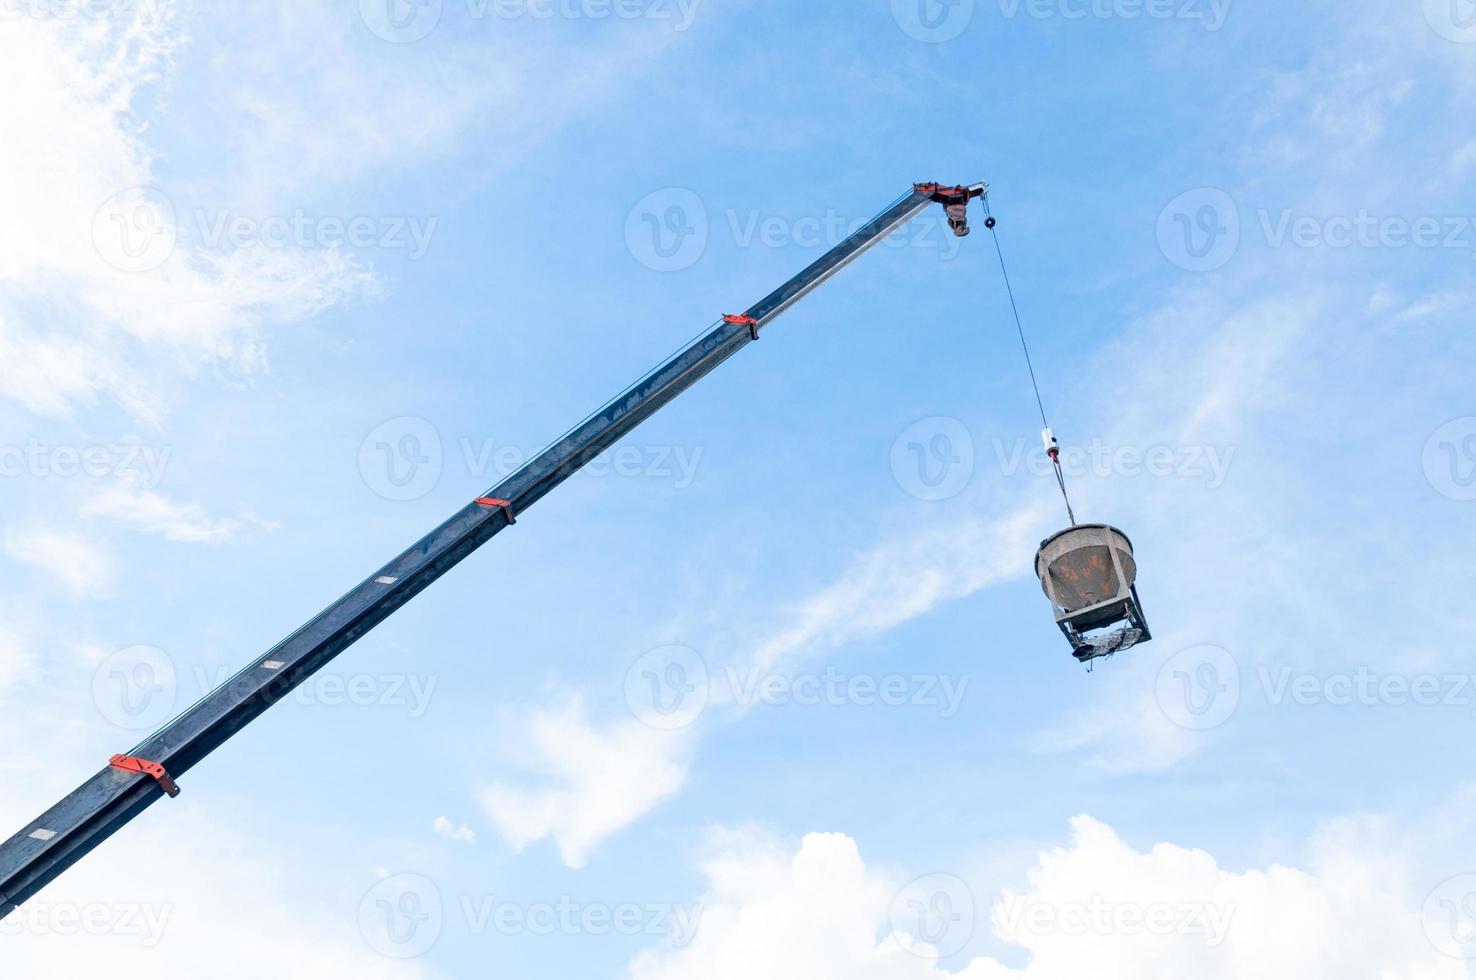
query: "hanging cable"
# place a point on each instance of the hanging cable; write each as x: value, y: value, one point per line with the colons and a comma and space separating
x: 1053, y: 449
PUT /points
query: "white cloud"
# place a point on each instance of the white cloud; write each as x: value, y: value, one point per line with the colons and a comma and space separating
x: 598, y: 781
x: 68, y: 94
x: 460, y: 834
x: 68, y: 557
x: 15, y: 659
x: 1095, y: 908
x: 113, y: 283
x: 907, y: 577
x: 594, y: 780
x: 151, y: 511
x: 202, y: 913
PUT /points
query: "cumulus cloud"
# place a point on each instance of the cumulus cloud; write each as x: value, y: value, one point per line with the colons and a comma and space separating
x: 1096, y: 907
x: 590, y: 781
x: 457, y: 833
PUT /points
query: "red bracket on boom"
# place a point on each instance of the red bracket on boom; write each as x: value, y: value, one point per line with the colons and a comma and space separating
x: 506, y: 506
x: 160, y: 775
x: 743, y: 320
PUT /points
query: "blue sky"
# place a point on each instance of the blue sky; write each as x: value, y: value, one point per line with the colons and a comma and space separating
x: 283, y: 285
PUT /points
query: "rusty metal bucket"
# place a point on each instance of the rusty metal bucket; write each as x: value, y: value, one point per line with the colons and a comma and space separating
x: 1090, y: 575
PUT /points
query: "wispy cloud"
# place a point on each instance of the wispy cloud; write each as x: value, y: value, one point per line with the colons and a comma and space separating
x: 154, y: 513
x: 68, y: 557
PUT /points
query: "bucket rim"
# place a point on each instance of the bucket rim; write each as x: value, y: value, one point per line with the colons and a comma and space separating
x: 1081, y: 527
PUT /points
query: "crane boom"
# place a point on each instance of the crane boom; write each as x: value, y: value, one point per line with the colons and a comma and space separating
x: 131, y: 783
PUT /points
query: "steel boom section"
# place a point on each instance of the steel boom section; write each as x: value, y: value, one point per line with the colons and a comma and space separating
x: 91, y: 814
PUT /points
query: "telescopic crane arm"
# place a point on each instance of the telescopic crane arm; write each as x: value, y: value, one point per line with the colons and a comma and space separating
x: 133, y: 781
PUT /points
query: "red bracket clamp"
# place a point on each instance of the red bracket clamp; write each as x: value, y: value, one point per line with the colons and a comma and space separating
x: 743, y: 320
x: 160, y: 775
x: 506, y: 506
